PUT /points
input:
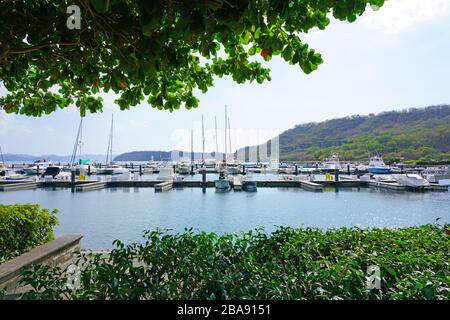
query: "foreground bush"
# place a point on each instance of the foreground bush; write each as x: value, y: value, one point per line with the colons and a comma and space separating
x: 23, y: 227
x: 287, y: 264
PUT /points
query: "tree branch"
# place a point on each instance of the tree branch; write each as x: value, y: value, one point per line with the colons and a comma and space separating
x: 41, y: 46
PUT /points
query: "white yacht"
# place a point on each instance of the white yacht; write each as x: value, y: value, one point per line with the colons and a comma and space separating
x: 377, y: 166
x: 412, y: 180
x: 56, y: 173
x: 233, y: 167
x: 184, y: 167
x: 3, y: 169
x: 166, y: 174
x: 435, y: 174
x: 332, y: 164
x: 32, y: 169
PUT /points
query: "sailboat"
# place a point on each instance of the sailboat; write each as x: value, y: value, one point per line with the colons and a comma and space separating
x: 223, y: 183
x: 83, y: 165
x: 3, y: 167
x: 111, y: 168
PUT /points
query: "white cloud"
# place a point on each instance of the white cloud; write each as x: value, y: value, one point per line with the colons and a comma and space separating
x: 398, y: 15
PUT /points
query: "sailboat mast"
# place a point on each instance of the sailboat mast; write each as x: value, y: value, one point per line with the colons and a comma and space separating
x: 229, y: 134
x: 76, y: 145
x: 80, y: 139
x: 203, y: 142
x: 1, y: 154
x: 192, y: 146
x: 225, y: 144
x: 112, y: 134
x: 217, y: 144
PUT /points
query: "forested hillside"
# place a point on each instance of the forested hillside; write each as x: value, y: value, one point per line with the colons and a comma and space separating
x: 414, y: 134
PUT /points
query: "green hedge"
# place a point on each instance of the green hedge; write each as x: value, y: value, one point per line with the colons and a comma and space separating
x: 286, y: 264
x: 23, y: 227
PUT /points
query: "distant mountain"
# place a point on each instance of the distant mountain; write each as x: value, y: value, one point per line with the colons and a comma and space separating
x: 414, y: 134
x: 157, y: 155
x: 10, y: 157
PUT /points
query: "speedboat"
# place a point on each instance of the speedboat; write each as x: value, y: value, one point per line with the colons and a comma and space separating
x: 233, y: 168
x: 113, y: 169
x: 166, y: 174
x: 40, y: 165
x: 184, y: 168
x: 411, y: 180
x: 3, y: 169
x: 56, y: 173
x: 222, y: 183
x: 248, y: 184
x: 332, y: 164
x: 377, y: 166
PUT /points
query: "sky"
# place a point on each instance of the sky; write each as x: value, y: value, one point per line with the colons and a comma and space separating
x: 391, y: 59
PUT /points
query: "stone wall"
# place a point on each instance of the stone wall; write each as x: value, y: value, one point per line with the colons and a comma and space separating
x: 59, y: 252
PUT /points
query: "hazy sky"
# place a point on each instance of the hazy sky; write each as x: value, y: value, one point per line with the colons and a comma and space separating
x: 396, y: 58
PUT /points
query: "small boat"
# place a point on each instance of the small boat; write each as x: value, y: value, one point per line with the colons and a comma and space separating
x: 436, y: 174
x: 3, y: 169
x: 56, y: 173
x: 32, y: 169
x: 233, y: 168
x: 332, y: 164
x: 248, y: 184
x: 16, y: 177
x: 166, y: 174
x: 377, y: 166
x: 222, y: 183
x: 411, y: 180
x: 184, y: 168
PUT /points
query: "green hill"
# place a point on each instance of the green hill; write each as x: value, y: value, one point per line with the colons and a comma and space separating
x: 422, y: 135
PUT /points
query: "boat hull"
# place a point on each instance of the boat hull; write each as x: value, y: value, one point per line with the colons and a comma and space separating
x: 379, y: 170
x: 250, y: 186
x: 222, y: 184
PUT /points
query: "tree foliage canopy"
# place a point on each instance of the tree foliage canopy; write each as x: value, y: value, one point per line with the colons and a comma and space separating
x: 160, y: 51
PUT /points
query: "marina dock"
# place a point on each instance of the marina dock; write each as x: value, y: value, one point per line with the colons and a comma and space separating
x: 313, y: 186
x: 18, y: 185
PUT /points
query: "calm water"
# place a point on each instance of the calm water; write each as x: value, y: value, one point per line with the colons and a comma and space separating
x: 108, y: 214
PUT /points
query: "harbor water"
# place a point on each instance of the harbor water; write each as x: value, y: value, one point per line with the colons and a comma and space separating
x: 105, y: 215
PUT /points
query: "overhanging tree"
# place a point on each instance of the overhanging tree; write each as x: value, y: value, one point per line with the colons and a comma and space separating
x: 160, y: 51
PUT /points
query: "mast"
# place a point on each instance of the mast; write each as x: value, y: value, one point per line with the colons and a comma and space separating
x: 1, y: 154
x: 80, y: 139
x: 192, y: 146
x: 110, y: 141
x: 217, y: 144
x: 229, y: 134
x: 203, y: 142
x: 112, y: 135
x: 77, y: 143
x: 225, y: 144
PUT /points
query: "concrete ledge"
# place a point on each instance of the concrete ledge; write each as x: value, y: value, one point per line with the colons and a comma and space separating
x: 58, y: 252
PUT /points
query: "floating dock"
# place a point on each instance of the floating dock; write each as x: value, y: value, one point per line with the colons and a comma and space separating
x: 18, y: 185
x: 237, y: 183
x: 90, y: 186
x: 164, y: 186
x: 313, y: 186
